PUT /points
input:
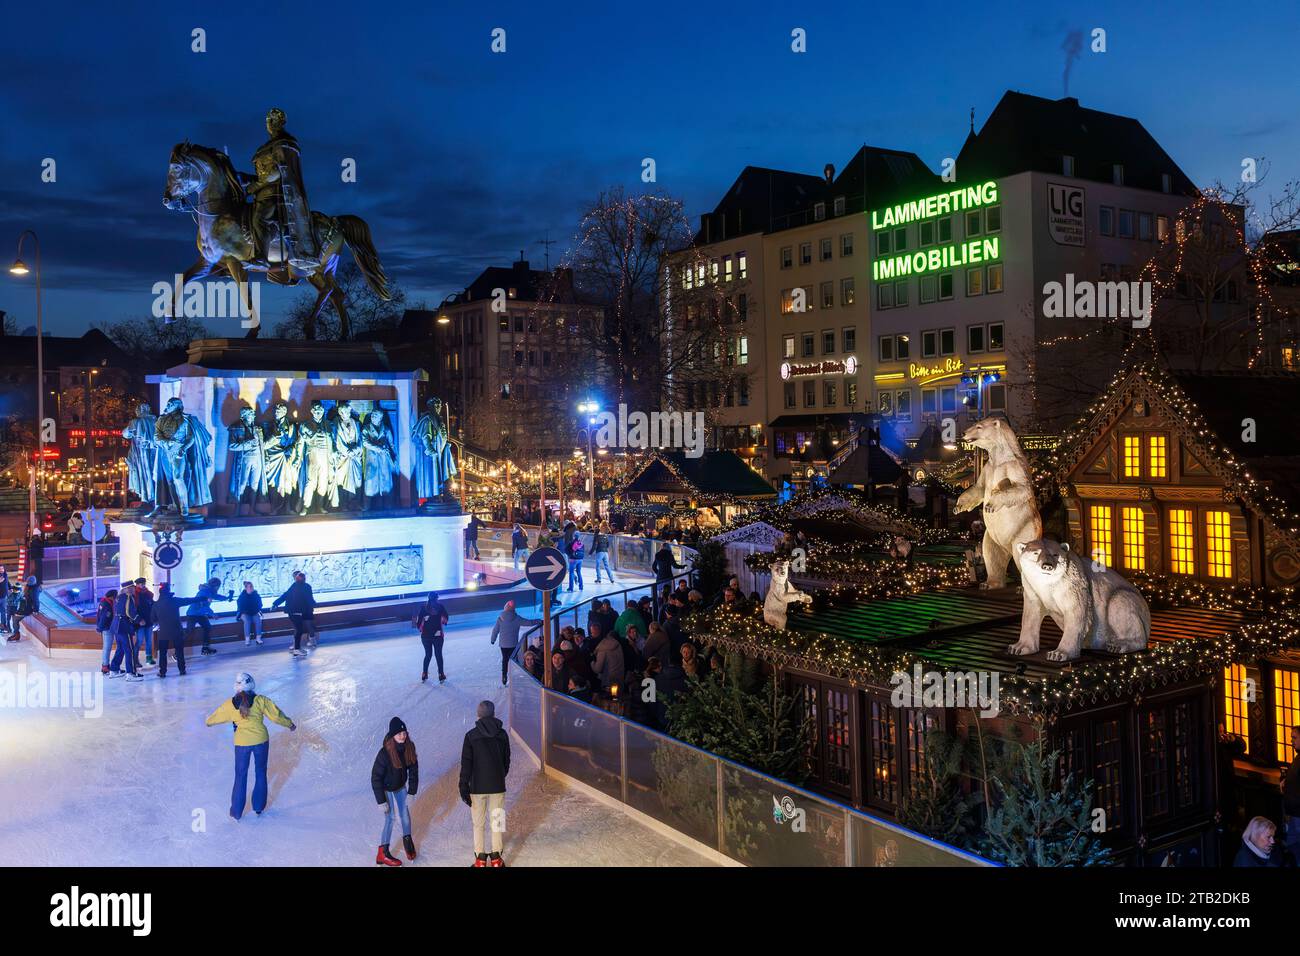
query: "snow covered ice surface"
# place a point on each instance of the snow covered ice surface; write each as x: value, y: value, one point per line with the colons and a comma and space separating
x: 147, y: 783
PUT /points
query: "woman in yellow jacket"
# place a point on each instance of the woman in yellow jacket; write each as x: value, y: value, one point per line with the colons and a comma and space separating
x: 247, y: 712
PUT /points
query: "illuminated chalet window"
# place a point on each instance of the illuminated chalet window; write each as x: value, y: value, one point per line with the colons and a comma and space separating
x: 1286, y: 710
x: 1133, y: 528
x: 1158, y: 448
x: 1099, y: 533
x: 1218, y: 544
x: 1132, y: 456
x: 1182, y: 548
x: 1236, y: 717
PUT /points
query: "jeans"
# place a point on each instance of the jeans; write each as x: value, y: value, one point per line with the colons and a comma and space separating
x: 506, y: 654
x: 252, y: 626
x: 488, y: 808
x: 432, y: 648
x: 575, y: 573
x: 471, y: 544
x: 602, y: 561
x: 163, y: 644
x: 239, y: 795
x: 4, y: 612
x: 144, y: 638
x: 108, y: 644
x: 521, y: 554
x: 204, y: 624
x: 396, y: 807
x: 125, y: 650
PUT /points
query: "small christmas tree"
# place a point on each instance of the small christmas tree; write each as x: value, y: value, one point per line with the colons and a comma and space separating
x: 937, y: 807
x: 1038, y: 821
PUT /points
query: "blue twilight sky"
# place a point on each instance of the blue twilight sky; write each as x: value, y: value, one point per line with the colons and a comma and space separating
x: 465, y: 157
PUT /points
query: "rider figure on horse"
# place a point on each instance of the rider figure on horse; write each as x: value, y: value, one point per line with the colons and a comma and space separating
x: 279, y: 197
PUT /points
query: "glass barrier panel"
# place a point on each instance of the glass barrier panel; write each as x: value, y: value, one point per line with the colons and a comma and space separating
x: 877, y: 845
x: 584, y: 743
x: 768, y: 824
x: 673, y: 783
x: 526, y: 708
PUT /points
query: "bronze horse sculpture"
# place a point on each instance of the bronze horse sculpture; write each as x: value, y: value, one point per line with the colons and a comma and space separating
x: 203, y: 181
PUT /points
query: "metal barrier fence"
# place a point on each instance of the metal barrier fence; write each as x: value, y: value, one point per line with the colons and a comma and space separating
x: 747, y: 816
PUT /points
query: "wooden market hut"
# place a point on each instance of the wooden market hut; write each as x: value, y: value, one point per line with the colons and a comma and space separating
x: 716, y: 479
x: 1193, y: 480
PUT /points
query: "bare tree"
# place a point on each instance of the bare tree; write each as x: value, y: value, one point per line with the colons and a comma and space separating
x: 367, y: 311
x: 147, y: 339
x: 654, y: 332
x: 1214, y: 303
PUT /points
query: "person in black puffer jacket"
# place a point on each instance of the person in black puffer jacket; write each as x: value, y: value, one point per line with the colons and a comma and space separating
x: 484, y: 764
x: 395, y: 776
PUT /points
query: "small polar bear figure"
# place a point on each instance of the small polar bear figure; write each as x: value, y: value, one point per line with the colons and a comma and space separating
x: 1090, y: 603
x: 1005, y: 491
x: 781, y: 594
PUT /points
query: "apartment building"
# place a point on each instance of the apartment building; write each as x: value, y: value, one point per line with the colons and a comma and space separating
x: 1046, y: 192
x: 512, y: 361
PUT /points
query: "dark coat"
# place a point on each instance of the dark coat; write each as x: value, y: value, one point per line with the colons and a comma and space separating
x: 1246, y: 858
x: 484, y: 759
x: 386, y: 778
x: 664, y: 564
x: 104, y: 615
x: 248, y: 603
x: 518, y: 540
x: 297, y: 599
x: 167, y: 615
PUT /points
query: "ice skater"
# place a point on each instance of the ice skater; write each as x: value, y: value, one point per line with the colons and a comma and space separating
x: 507, y: 628
x: 300, y: 604
x: 484, y: 764
x: 247, y: 713
x: 249, y: 607
x: 126, y: 621
x: 200, y: 612
x: 431, y: 622
x: 104, y: 624
x: 394, y: 777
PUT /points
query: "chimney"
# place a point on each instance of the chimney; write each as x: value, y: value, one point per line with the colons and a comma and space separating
x: 829, y: 172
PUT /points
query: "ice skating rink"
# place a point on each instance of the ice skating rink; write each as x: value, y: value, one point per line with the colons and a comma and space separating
x: 147, y: 783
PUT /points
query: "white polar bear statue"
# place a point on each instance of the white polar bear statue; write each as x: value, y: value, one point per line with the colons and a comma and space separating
x: 1092, y: 605
x: 780, y: 595
x: 1006, y: 492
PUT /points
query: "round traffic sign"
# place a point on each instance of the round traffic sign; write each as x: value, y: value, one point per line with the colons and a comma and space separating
x: 546, y: 568
x: 168, y: 555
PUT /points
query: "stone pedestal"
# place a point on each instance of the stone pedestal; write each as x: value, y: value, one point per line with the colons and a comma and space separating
x: 345, y: 557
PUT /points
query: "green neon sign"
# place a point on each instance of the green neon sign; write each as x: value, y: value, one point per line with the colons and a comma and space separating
x: 941, y: 204
x: 931, y: 260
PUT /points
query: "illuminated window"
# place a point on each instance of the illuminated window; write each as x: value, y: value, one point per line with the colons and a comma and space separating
x: 1236, y: 718
x: 1286, y: 695
x: 1099, y: 533
x: 1159, y: 448
x: 1182, y: 553
x: 1133, y: 526
x: 1218, y: 544
x: 1132, y: 456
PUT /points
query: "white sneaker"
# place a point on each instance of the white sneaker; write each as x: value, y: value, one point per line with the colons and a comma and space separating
x: 112, y: 675
x: 259, y: 642
x: 133, y: 678
x: 247, y: 642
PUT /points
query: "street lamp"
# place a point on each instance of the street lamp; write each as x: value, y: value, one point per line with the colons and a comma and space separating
x: 590, y: 408
x: 19, y: 268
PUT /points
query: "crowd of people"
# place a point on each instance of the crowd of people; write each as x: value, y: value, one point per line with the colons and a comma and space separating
x: 607, y: 660
x: 131, y: 618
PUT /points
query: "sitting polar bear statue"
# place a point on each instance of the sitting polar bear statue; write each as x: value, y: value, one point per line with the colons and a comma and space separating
x: 1006, y: 493
x: 1090, y: 605
x: 780, y: 595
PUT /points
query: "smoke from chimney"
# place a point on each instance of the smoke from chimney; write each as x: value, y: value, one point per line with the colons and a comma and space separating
x: 1073, y: 47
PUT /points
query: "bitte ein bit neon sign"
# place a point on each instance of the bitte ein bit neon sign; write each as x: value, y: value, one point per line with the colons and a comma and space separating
x: 950, y: 256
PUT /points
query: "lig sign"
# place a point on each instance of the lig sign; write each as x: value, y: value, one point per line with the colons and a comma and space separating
x: 848, y: 366
x: 950, y: 256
